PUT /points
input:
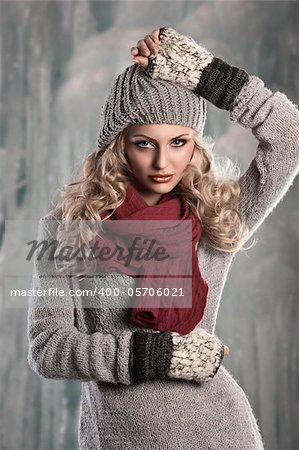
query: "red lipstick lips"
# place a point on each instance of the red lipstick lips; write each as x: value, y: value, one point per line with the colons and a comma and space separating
x: 161, y: 178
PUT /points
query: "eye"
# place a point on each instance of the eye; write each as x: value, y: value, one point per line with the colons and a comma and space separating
x: 180, y: 140
x: 142, y: 142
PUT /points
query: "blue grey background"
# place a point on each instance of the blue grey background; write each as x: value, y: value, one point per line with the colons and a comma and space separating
x: 58, y: 60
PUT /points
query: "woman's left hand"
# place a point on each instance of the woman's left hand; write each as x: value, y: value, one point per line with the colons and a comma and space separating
x: 146, y: 47
x: 168, y: 55
x: 171, y: 56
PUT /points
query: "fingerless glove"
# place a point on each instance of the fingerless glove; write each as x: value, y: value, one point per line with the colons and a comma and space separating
x: 182, y: 60
x: 159, y: 355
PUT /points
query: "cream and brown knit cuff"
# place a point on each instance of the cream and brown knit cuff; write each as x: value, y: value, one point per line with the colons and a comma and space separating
x: 181, y: 60
x: 167, y: 355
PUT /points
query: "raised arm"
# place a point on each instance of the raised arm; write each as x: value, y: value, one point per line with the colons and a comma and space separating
x: 274, y: 121
x: 272, y: 117
x: 58, y: 350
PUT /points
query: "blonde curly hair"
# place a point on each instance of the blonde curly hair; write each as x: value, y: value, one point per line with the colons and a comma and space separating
x: 211, y: 190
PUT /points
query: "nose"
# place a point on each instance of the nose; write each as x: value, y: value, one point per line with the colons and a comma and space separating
x: 161, y: 158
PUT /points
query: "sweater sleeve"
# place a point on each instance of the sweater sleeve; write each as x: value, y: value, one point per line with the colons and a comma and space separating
x: 57, y: 349
x: 274, y: 121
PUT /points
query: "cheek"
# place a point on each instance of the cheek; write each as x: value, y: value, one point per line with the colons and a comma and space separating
x: 182, y: 162
x: 191, y: 152
x: 130, y: 156
x: 137, y: 162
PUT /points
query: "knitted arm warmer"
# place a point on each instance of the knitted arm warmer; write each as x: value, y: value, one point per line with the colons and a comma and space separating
x: 182, y: 60
x: 166, y: 355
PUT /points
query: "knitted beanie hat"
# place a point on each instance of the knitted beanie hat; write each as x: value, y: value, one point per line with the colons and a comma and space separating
x: 136, y: 98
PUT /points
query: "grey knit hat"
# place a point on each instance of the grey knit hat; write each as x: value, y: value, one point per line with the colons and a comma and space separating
x: 136, y: 98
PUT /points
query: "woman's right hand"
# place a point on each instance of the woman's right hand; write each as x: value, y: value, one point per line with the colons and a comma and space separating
x: 196, y: 356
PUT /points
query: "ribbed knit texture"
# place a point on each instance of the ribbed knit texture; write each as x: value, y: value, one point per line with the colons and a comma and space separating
x: 220, y: 83
x: 135, y: 97
x: 152, y: 354
x: 93, y: 345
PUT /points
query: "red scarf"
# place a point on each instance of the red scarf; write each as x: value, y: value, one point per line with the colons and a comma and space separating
x: 180, y: 319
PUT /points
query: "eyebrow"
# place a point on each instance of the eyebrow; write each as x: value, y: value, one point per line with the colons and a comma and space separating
x: 152, y: 139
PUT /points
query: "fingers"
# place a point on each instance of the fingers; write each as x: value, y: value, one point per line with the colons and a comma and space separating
x: 141, y: 60
x: 152, y: 43
x: 146, y: 47
x: 226, y: 350
x: 155, y: 35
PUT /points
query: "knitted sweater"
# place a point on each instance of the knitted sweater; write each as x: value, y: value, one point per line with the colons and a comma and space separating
x: 93, y: 344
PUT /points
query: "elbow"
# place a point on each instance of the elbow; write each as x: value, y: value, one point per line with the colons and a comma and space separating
x: 37, y: 364
x: 40, y: 355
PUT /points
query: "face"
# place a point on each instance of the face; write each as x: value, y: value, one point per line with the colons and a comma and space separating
x: 157, y: 149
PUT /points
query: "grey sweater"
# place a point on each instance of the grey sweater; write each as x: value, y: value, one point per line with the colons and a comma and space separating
x: 93, y: 344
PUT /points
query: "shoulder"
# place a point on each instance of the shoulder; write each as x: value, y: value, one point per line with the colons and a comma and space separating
x: 49, y: 223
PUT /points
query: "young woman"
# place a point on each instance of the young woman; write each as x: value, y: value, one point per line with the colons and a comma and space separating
x: 152, y: 376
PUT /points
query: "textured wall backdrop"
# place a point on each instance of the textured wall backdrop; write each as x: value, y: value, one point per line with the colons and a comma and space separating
x: 57, y: 62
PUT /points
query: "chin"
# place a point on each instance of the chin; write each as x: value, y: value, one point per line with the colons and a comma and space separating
x: 163, y: 189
